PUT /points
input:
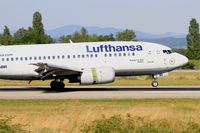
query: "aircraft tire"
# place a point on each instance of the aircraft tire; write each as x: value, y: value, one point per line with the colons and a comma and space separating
x: 55, y: 85
x: 154, y: 83
x: 61, y: 85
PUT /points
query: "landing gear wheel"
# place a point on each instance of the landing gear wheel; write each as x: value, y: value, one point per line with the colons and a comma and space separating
x: 55, y: 85
x: 61, y: 86
x: 154, y: 84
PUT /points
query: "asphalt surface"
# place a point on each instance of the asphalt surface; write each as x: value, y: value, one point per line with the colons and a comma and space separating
x: 99, y: 92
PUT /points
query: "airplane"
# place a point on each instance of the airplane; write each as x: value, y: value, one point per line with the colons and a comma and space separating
x: 87, y: 63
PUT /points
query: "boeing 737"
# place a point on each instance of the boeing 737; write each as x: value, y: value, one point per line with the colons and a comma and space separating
x: 87, y: 63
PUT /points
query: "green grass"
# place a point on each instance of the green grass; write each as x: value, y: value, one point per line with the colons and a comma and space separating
x: 6, y: 126
x: 129, y: 124
x: 176, y: 115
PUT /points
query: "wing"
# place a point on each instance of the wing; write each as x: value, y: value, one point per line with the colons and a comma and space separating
x: 46, y: 70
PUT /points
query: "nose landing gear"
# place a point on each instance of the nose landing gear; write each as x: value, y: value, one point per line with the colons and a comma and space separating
x: 154, y: 83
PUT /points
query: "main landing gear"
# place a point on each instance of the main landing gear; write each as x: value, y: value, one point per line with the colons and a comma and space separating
x: 154, y: 83
x: 57, y: 85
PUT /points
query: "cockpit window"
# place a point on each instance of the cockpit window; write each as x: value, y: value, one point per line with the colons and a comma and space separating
x: 167, y: 51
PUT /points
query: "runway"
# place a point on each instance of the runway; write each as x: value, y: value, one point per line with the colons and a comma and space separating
x: 100, y: 92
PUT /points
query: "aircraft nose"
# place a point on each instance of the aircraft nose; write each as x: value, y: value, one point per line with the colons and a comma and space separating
x: 185, y: 60
x: 182, y: 60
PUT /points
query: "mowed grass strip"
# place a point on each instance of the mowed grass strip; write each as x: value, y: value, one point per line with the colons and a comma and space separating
x: 187, y: 78
x: 73, y: 115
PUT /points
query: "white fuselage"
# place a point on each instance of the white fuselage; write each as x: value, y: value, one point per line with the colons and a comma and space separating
x: 126, y: 58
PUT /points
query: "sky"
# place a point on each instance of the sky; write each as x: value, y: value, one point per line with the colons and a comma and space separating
x: 152, y: 16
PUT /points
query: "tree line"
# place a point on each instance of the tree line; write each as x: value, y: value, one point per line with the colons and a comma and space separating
x: 36, y: 35
x: 32, y: 35
x: 84, y: 36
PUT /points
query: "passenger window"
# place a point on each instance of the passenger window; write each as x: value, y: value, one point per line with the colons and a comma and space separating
x: 53, y: 57
x: 133, y: 54
x: 49, y: 57
x: 124, y: 54
x: 87, y: 55
x: 83, y: 56
x: 35, y: 58
x: 74, y: 56
x: 21, y: 58
x: 91, y: 55
x: 105, y: 55
x: 30, y: 58
x: 58, y: 57
x: 120, y: 54
x: 7, y: 59
x: 68, y: 56
x: 12, y: 59
x: 96, y: 55
x: 78, y: 56
x: 115, y: 54
x: 26, y: 58
x: 110, y: 55
x: 44, y: 57
x: 2, y: 59
x: 39, y: 57
x: 63, y: 57
x: 16, y: 58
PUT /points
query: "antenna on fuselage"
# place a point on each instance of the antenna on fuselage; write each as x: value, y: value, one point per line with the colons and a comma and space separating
x: 70, y: 41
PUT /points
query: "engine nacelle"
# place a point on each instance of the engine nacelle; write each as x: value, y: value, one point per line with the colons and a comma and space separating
x: 101, y: 75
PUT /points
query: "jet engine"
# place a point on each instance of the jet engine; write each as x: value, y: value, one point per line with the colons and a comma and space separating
x: 99, y: 75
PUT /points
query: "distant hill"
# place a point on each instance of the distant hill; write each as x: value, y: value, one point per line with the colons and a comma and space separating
x: 169, y: 41
x: 69, y: 29
x: 143, y: 35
